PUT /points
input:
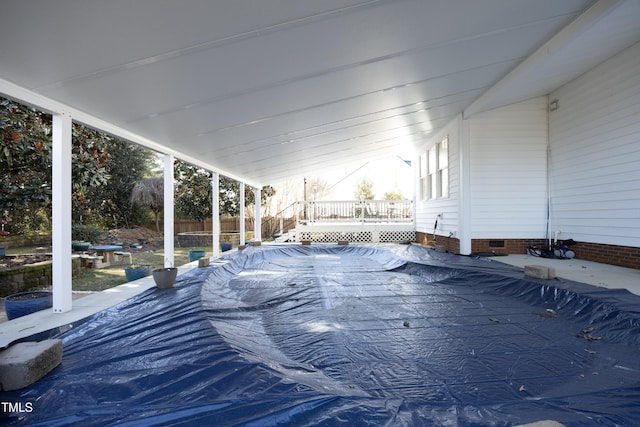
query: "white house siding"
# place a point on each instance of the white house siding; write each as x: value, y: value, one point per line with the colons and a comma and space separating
x: 595, y: 154
x: 427, y: 211
x: 508, y: 156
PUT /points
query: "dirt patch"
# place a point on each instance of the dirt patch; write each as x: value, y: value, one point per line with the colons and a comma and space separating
x: 134, y: 235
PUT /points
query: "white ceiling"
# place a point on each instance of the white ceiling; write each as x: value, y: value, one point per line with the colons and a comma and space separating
x: 269, y: 90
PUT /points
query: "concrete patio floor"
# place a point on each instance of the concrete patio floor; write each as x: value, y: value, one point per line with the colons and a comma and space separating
x: 578, y: 270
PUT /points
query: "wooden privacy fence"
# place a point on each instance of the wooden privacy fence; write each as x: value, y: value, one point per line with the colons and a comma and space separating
x: 227, y: 225
x: 311, y: 212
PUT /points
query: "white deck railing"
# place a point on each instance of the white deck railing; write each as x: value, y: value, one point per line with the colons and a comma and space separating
x: 355, y: 211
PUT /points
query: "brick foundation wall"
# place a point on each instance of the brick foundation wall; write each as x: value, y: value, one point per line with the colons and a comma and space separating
x: 622, y: 256
x: 451, y: 244
x: 505, y: 246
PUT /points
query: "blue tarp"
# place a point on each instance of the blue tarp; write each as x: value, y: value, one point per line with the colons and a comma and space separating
x: 349, y: 335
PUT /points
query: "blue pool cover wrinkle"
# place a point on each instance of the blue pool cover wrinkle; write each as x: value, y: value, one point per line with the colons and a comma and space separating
x: 349, y: 335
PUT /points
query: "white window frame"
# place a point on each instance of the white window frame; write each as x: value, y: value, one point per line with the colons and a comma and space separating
x: 443, y: 167
x: 437, y: 174
x: 432, y: 172
x: 424, y: 194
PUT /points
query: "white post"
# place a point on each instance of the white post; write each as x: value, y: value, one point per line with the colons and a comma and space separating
x: 215, y: 214
x: 168, y: 211
x: 257, y: 222
x: 464, y: 200
x: 241, y: 195
x: 61, y: 214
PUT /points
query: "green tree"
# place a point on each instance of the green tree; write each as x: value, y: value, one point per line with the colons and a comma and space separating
x: 109, y: 205
x: 25, y: 164
x: 364, y: 189
x: 89, y: 156
x: 193, y: 198
x: 266, y: 194
x: 194, y: 193
x: 229, y: 197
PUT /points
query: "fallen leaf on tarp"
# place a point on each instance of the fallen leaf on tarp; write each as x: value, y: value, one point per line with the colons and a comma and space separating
x: 493, y: 319
x: 548, y: 313
x: 522, y: 388
x: 588, y: 337
x: 406, y: 324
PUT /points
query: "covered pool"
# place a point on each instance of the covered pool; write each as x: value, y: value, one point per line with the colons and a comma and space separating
x: 349, y: 335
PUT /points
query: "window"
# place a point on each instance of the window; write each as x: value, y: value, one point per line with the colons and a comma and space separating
x: 433, y: 168
x: 443, y: 167
x: 423, y: 177
x: 437, y: 171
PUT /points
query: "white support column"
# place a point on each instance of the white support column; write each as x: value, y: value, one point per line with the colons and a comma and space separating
x: 215, y: 214
x: 61, y: 214
x: 241, y: 195
x: 464, y: 200
x: 168, y: 211
x: 257, y: 222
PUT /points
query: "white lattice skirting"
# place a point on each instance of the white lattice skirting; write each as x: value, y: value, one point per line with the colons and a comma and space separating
x: 355, y: 233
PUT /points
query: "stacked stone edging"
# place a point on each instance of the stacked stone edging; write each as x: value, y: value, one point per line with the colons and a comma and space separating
x: 29, y: 277
x: 22, y: 241
x: 188, y: 240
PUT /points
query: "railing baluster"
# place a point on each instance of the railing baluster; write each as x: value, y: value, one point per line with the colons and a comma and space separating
x: 343, y: 211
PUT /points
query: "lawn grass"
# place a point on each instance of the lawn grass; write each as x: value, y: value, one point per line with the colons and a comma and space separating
x: 99, y: 279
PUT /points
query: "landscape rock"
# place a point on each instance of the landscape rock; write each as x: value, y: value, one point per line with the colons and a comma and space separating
x: 25, y: 363
x: 540, y: 271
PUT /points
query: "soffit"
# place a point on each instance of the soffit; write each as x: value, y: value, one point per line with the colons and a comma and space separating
x: 270, y: 90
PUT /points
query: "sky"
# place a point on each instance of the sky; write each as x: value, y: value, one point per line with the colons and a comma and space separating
x: 387, y: 175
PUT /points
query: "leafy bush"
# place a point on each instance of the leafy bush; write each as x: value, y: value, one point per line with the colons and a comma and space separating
x: 86, y: 233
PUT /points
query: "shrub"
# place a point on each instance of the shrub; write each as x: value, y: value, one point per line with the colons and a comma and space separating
x: 86, y: 233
